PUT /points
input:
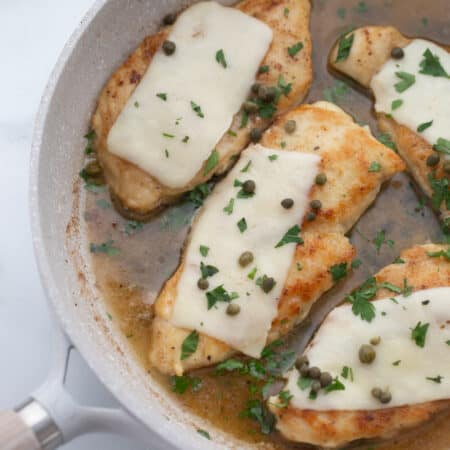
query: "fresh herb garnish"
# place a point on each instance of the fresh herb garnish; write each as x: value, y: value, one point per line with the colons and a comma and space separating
x: 441, y: 253
x: 380, y: 239
x: 390, y: 287
x: 347, y: 373
x: 419, y: 333
x: 336, y: 93
x: 386, y: 140
x: 284, y: 397
x: 362, y: 7
x: 197, y: 109
x: 211, y: 162
x: 273, y: 157
x: 185, y: 139
x: 396, y: 363
x: 229, y: 208
x: 304, y: 382
x: 162, y: 96
x: 219, y: 294
x: 242, y: 225
x: 360, y: 300
x: 189, y: 345
x: 294, y: 49
x: 407, y: 290
x: 207, y: 270
x: 399, y: 260
x: 407, y: 80
x: 345, y: 45
x: 374, y: 166
x: 199, y: 194
x: 180, y: 384
x: 166, y: 152
x: 396, y: 104
x: 284, y: 87
x: 136, y: 104
x: 230, y: 365
x: 257, y: 410
x: 105, y: 247
x: 436, y: 379
x: 442, y: 146
x: 423, y: 126
x: 286, y: 12
x: 252, y: 273
x: 132, y: 226
x: 291, y: 236
x: 263, y: 69
x: 431, y: 65
x: 204, y: 250
x: 336, y: 385
x: 441, y: 192
x: 356, y: 263
x: 247, y: 166
x: 204, y: 433
x: 244, y: 120
x: 338, y: 271
x: 299, y: 267
x: 220, y: 58
x: 90, y: 137
x: 168, y: 135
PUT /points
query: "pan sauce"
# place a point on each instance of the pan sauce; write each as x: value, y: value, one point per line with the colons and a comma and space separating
x: 149, y: 254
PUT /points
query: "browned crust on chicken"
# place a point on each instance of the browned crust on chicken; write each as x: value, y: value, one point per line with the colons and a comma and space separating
x: 136, y: 189
x: 371, y: 48
x: 347, y: 151
x: 338, y: 428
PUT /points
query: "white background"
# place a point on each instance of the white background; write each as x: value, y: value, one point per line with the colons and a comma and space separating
x: 32, y: 34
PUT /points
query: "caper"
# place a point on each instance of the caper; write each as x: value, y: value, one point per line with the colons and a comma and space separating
x: 268, y: 284
x: 169, y: 47
x: 433, y: 160
x: 169, y: 19
x: 447, y: 167
x: 250, y: 107
x: 321, y: 179
x: 267, y: 93
x: 385, y: 397
x: 304, y: 370
x: 397, y: 53
x: 93, y: 169
x: 300, y: 361
x: 375, y: 340
x: 249, y: 186
x: 255, y: 134
x: 203, y: 284
x: 290, y: 126
x: 287, y: 203
x: 316, y: 386
x: 255, y: 88
x: 325, y: 379
x: 367, y: 354
x: 233, y: 309
x: 376, y: 392
x: 310, y: 216
x: 314, y: 373
x: 245, y: 259
x: 316, y: 204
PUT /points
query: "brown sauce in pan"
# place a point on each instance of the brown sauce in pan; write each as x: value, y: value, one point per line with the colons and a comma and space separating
x: 130, y: 280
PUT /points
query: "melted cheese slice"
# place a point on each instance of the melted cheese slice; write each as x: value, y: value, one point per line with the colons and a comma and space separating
x: 400, y: 366
x: 428, y: 99
x: 168, y: 139
x: 278, y: 175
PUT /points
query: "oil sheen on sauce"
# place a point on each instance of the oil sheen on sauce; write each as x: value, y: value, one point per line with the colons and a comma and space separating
x: 149, y: 253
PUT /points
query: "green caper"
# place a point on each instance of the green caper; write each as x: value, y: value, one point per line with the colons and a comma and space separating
x: 385, y: 397
x: 169, y: 47
x: 433, y: 160
x: 300, y: 361
x: 169, y: 19
x: 255, y: 134
x: 316, y: 386
x: 290, y: 126
x: 287, y: 203
x: 203, y: 284
x: 250, y: 107
x: 316, y: 204
x: 268, y: 284
x: 267, y: 93
x: 245, y: 259
x: 397, y: 53
x: 367, y: 354
x: 255, y: 88
x: 249, y: 186
x: 314, y: 373
x: 325, y: 379
x: 446, y: 167
x: 321, y: 179
x: 375, y: 340
x: 233, y: 309
x: 93, y: 168
x: 376, y: 392
x: 304, y: 370
x: 310, y: 216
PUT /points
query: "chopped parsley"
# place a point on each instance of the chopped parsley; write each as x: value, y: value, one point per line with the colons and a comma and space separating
x: 247, y: 166
x: 105, y: 247
x: 299, y: 267
x: 242, y: 193
x: 386, y: 140
x: 336, y: 92
x: 220, y: 58
x: 285, y: 88
x: 199, y: 194
x: 304, y: 382
x: 168, y: 135
x: 407, y: 80
x: 204, y: 433
x: 273, y: 157
x: 336, y: 385
x: 252, y: 273
x: 136, y: 104
x: 431, y: 65
x: 229, y: 208
x: 258, y: 411
x: 204, y: 250
x: 197, y: 109
x: 180, y: 384
x: 356, y: 263
x: 423, y: 126
x: 380, y: 239
x: 441, y: 192
x: 360, y: 300
x: 284, y: 397
x: 294, y: 49
x: 291, y: 236
x: 230, y: 365
x: 447, y: 342
x: 207, y: 270
x: 347, y: 373
x: 185, y: 139
x: 339, y: 271
x: 419, y: 333
x: 362, y: 7
x: 132, y: 226
x: 244, y: 120
x: 436, y: 379
x: 166, y: 152
x: 396, y: 363
x: 219, y: 294
x: 162, y: 96
x: 442, y: 146
x: 242, y: 225
x: 407, y: 290
x: 90, y: 137
x: 211, y: 162
x: 345, y: 45
x: 286, y: 12
x: 441, y: 253
x: 263, y: 69
x: 374, y: 166
x: 189, y: 345
x: 396, y: 104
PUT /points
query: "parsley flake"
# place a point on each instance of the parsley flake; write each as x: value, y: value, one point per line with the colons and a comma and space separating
x: 436, y: 379
x: 338, y: 271
x: 336, y: 385
x: 204, y: 250
x: 189, y: 345
x: 284, y: 397
x: 162, y: 96
x: 360, y: 300
x: 441, y: 253
x: 396, y: 104
x: 229, y: 208
x: 106, y: 248
x: 347, y: 373
x: 294, y: 49
x: 419, y: 333
x: 284, y: 87
x: 356, y: 263
x: 423, y: 126
x: 396, y: 363
x: 208, y: 270
x: 345, y: 45
x: 431, y: 65
x: 407, y: 80
x: 374, y: 167
x: 204, y: 433
x: 442, y: 146
x: 219, y: 294
x: 273, y: 157
x: 291, y: 236
x: 247, y: 166
x: 197, y: 109
x: 380, y: 239
x: 180, y: 384
x: 211, y: 162
x: 242, y: 225
x: 90, y: 137
x: 220, y: 58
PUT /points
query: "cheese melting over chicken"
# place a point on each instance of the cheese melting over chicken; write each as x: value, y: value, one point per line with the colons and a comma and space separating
x: 411, y: 373
x: 186, y: 101
x: 419, y: 101
x: 231, y: 223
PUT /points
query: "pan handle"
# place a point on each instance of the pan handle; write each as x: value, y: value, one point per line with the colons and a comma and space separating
x: 51, y: 417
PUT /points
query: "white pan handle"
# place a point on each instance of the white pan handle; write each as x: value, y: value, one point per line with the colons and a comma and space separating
x: 51, y: 417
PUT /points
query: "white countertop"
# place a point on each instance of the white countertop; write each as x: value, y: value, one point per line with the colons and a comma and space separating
x: 32, y: 34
